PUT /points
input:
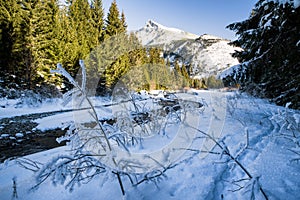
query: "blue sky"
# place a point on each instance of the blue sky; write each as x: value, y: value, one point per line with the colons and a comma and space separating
x: 195, y: 16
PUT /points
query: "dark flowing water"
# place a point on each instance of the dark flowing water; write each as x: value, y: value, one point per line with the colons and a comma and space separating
x: 21, y: 137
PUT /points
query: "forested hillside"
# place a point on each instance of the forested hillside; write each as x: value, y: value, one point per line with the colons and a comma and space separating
x: 36, y: 35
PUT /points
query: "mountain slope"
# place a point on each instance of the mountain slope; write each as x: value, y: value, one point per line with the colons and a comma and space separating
x: 207, y: 54
x: 154, y: 33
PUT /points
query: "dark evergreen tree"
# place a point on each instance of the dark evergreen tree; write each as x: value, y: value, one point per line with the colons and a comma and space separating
x: 69, y: 44
x: 37, y: 34
x: 46, y: 31
x: 270, y: 60
x: 177, y: 73
x: 97, y: 22
x: 30, y: 43
x: 212, y: 82
x: 25, y: 46
x: 81, y: 17
x: 10, y: 20
x: 131, y: 54
x: 155, y: 56
x: 116, y: 70
x: 84, y: 25
x: 197, y: 84
x: 186, y: 77
x: 177, y: 68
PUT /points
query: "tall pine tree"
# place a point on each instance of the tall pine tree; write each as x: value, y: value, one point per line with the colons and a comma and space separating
x: 115, y: 24
x: 123, y: 23
x: 270, y: 39
x: 97, y: 21
x: 10, y: 21
x: 29, y: 40
x: 81, y: 16
x: 46, y: 31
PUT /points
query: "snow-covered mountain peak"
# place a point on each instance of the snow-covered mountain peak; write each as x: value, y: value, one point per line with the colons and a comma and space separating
x: 154, y: 25
x: 154, y: 33
x: 207, y: 54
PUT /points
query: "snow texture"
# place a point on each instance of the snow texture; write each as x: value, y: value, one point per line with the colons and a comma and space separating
x: 258, y: 133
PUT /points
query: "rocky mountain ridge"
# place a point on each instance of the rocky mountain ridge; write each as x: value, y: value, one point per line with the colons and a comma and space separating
x: 206, y: 54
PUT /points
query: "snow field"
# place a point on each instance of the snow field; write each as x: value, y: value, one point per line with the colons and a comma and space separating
x: 253, y: 132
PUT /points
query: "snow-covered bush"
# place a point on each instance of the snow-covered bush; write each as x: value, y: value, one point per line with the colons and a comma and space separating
x: 111, y: 146
x: 29, y: 98
x: 117, y: 145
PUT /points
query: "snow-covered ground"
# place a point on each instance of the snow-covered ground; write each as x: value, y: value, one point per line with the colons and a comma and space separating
x: 262, y: 137
x: 16, y: 107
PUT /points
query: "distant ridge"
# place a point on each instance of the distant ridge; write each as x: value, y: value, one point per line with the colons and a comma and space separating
x: 207, y: 54
x: 154, y: 33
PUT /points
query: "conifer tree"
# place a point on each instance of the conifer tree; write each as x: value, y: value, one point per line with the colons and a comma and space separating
x: 31, y: 43
x: 268, y: 67
x: 177, y: 73
x: 46, y: 30
x: 147, y: 78
x: 155, y: 56
x: 123, y: 22
x: 37, y: 34
x: 177, y: 68
x: 197, y: 84
x: 97, y: 21
x: 69, y: 42
x: 212, y: 82
x: 26, y: 46
x: 10, y: 20
x: 114, y: 24
x: 186, y: 77
x: 117, y: 70
x: 81, y: 17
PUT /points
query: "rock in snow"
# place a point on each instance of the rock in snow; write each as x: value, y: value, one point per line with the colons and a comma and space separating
x: 19, y: 135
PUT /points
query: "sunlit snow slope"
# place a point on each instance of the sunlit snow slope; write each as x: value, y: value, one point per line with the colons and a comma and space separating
x: 207, y: 54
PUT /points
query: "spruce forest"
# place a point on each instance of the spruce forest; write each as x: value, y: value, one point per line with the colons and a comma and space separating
x: 35, y: 35
x: 38, y: 34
